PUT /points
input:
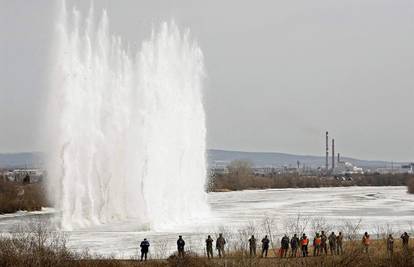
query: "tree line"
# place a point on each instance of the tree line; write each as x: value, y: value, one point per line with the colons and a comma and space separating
x: 240, y: 176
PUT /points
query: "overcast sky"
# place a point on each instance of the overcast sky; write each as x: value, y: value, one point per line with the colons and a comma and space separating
x: 280, y: 73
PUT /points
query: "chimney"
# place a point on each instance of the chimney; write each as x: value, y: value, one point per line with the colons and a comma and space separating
x: 327, y: 152
x: 333, y: 154
x: 339, y: 157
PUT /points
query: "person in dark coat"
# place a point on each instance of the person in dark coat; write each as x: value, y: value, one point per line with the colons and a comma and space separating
x: 332, y: 243
x: 339, y: 239
x: 265, y: 246
x: 294, y: 244
x: 209, y: 247
x: 405, y: 241
x: 252, y: 246
x: 180, y: 246
x: 220, y: 243
x: 324, y: 241
x: 284, y: 246
x: 144, y: 249
x: 26, y: 179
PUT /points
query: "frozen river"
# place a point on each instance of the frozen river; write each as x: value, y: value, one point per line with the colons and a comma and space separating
x: 378, y: 208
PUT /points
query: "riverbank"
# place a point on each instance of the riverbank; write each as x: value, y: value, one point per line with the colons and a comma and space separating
x: 32, y: 197
x: 243, y: 181
x: 21, y: 252
x: 21, y: 197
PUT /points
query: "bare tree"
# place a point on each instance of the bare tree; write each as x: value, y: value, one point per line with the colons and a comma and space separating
x: 319, y: 224
x: 351, y: 229
x: 296, y: 225
x: 269, y: 227
x: 240, y: 168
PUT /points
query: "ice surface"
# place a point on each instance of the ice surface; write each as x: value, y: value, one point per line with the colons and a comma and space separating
x: 232, y: 211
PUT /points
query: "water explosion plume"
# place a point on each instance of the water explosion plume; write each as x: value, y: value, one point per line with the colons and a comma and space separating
x: 127, y: 132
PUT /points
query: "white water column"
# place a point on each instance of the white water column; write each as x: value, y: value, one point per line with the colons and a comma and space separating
x: 127, y: 129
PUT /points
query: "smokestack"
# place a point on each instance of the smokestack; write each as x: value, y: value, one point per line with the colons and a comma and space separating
x: 327, y: 152
x: 333, y: 154
x: 339, y: 157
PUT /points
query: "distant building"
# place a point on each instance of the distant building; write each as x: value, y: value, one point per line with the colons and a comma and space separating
x: 343, y: 168
x: 218, y: 170
x: 409, y: 168
x: 398, y: 169
x: 19, y: 175
x: 263, y: 171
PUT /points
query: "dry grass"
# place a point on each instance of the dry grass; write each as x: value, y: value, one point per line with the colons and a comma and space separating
x: 353, y: 256
x: 36, y: 246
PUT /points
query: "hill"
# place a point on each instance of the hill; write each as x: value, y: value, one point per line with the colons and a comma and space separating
x: 263, y: 159
x: 21, y: 160
x: 215, y: 158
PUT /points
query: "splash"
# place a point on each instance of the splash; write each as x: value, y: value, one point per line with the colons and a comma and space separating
x: 127, y: 133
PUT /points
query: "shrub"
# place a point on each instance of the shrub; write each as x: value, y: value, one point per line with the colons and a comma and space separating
x: 15, y: 197
x: 410, y: 185
x: 35, y: 245
x: 244, y: 180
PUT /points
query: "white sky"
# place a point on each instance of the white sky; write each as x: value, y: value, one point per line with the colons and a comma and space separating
x: 279, y: 72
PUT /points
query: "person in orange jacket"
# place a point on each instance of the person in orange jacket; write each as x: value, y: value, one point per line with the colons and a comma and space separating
x: 317, y: 245
x: 304, y: 241
x: 366, y: 241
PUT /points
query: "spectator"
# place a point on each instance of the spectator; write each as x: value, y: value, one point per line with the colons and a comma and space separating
x: 265, y: 246
x: 180, y: 246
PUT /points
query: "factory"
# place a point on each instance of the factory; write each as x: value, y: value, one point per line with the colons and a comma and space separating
x: 339, y: 167
x: 330, y: 164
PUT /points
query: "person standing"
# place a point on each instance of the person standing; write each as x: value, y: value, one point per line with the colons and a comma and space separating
x: 294, y: 243
x: 220, y: 242
x: 252, y: 246
x: 284, y: 246
x: 26, y: 179
x: 209, y: 247
x: 366, y: 241
x: 390, y: 245
x: 324, y: 246
x: 180, y: 246
x: 304, y: 241
x: 339, y: 239
x: 316, y: 245
x: 405, y: 240
x: 144, y: 248
x: 265, y: 246
x: 332, y: 243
